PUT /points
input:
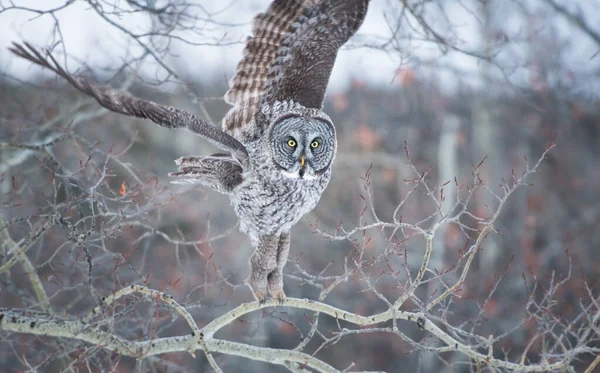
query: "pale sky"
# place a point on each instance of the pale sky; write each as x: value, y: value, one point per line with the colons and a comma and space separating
x: 89, y: 38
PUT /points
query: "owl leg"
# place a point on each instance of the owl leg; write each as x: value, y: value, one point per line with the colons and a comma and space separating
x: 275, y: 277
x: 262, y: 262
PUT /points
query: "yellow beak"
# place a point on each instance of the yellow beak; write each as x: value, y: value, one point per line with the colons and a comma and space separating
x: 302, y: 161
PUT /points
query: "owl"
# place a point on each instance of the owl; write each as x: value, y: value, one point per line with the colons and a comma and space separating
x: 278, y: 145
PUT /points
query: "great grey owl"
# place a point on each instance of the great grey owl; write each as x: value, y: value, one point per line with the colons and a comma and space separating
x: 279, y: 144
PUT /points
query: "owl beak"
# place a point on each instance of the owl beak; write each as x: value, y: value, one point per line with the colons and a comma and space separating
x: 302, y: 161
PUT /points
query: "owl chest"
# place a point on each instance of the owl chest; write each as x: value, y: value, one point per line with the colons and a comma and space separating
x: 272, y: 206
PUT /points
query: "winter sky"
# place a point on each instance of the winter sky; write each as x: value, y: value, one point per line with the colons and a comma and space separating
x: 87, y: 37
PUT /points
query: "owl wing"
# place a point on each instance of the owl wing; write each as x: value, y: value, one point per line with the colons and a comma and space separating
x: 290, y: 56
x: 218, y: 171
x: 119, y: 102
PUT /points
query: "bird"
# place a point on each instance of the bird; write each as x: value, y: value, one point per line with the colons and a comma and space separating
x: 277, y: 143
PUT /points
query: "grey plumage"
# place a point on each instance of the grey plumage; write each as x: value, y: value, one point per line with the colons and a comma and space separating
x: 218, y: 171
x: 280, y: 144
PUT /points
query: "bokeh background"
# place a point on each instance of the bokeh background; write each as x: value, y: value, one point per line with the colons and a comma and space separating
x: 453, y: 81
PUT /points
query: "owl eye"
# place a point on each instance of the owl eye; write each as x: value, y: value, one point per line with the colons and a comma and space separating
x: 291, y: 143
x: 314, y: 144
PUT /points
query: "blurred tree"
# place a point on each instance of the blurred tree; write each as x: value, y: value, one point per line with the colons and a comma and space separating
x: 418, y: 258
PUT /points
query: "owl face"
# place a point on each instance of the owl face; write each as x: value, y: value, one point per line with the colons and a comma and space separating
x: 302, y: 147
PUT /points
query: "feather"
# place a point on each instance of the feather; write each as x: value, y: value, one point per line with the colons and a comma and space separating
x: 290, y: 56
x: 122, y: 103
x: 218, y: 171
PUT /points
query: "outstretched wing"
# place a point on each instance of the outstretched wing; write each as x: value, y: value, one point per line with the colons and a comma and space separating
x: 291, y: 55
x: 119, y: 102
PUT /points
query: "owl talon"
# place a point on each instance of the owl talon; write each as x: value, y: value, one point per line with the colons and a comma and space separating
x: 258, y: 288
x: 277, y: 293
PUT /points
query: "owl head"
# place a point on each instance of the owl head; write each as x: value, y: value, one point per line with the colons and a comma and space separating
x: 302, y: 147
